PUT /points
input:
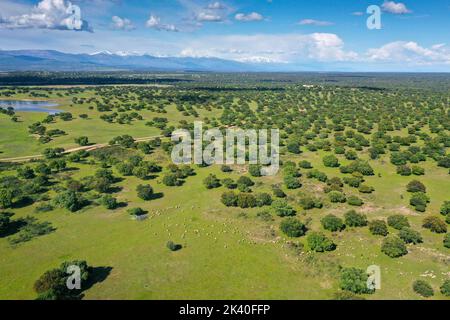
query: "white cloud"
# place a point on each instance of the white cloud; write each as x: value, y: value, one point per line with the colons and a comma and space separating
x: 48, y: 14
x: 410, y: 52
x: 358, y: 13
x: 313, y: 22
x: 290, y: 47
x: 216, y: 6
x: 119, y: 23
x: 254, y: 16
x: 154, y: 22
x: 395, y: 8
x: 209, y: 17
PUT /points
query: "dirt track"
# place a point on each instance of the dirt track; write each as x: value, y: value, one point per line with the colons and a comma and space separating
x: 87, y: 148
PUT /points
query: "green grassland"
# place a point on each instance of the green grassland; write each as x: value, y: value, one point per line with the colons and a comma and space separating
x: 228, y: 253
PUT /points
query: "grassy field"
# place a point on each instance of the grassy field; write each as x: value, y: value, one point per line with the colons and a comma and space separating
x: 228, y: 253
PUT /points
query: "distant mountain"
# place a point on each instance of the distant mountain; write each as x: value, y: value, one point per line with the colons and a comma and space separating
x: 49, y: 60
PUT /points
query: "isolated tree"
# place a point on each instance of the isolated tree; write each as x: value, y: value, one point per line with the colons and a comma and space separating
x: 293, y: 228
x: 145, y: 192
x: 331, y: 161
x: 416, y: 186
x: 109, y: 202
x: 394, y: 247
x: 398, y: 222
x: 435, y: 224
x: 410, y: 236
x: 282, y: 208
x: 337, y: 197
x: 423, y: 288
x: 445, y: 288
x: 69, y: 200
x: 6, y: 198
x: 379, y: 228
x: 229, y: 199
x: 82, y: 141
x: 354, y: 280
x: 332, y: 223
x: 354, y: 219
x: 318, y: 242
x: 255, y: 170
x: 211, y: 182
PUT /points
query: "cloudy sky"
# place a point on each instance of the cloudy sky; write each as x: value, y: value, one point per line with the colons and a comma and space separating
x: 327, y: 34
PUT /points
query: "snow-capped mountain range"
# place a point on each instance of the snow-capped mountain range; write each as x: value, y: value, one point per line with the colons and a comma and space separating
x: 50, y: 60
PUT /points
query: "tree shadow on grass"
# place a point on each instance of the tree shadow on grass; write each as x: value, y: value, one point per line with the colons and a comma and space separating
x: 114, y: 189
x: 13, y: 227
x: 98, y: 275
x: 157, y: 196
x: 23, y: 203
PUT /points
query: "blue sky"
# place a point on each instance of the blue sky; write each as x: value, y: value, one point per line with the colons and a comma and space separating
x: 294, y: 34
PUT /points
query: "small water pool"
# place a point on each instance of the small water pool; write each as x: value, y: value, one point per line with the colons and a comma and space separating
x: 30, y: 106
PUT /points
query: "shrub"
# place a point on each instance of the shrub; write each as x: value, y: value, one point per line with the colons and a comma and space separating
x: 447, y: 241
x: 293, y: 228
x: 353, y: 182
x: 394, y: 247
x: 292, y: 182
x: 225, y: 168
x: 246, y: 200
x: 305, y: 164
x: 263, y: 199
x: 337, y: 197
x: 379, y: 228
x: 404, y: 170
x: 109, y: 202
x: 354, y: 219
x: 398, y: 222
x: 331, y: 161
x: 416, y: 186
x: 171, y: 180
x: 332, y: 223
x: 69, y: 200
x: 229, y: 199
x: 355, y: 201
x: 246, y: 181
x: 316, y: 174
x: 418, y: 171
x: 309, y: 203
x: 445, y: 209
x: 318, y: 242
x: 137, y: 212
x: 278, y: 192
x: 254, y: 170
x: 173, y: 247
x: 282, y: 208
x: 6, y: 198
x: 294, y: 147
x: 82, y: 141
x: 52, y: 284
x: 423, y: 288
x: 365, y: 189
x: 445, y: 288
x: 229, y: 183
x: 410, y: 236
x: 435, y: 224
x: 211, y: 182
x: 145, y: 192
x: 419, y: 200
x: 125, y: 169
x: 354, y: 280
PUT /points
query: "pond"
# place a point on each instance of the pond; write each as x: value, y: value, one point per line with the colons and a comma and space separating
x: 30, y: 106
